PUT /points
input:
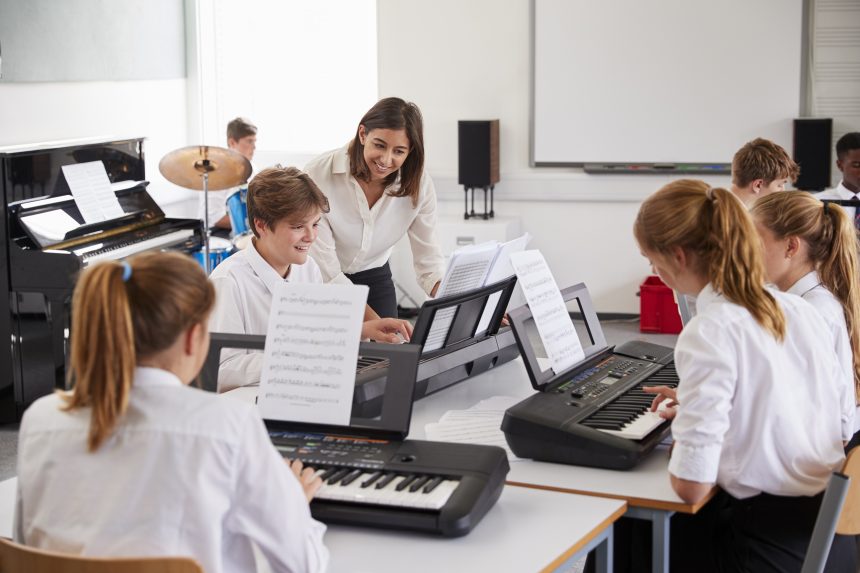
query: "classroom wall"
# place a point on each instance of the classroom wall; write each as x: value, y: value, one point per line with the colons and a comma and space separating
x: 471, y: 60
x: 49, y: 111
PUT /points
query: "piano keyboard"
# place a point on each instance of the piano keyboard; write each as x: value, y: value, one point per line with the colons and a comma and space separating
x: 629, y: 415
x: 123, y: 250
x: 379, y: 487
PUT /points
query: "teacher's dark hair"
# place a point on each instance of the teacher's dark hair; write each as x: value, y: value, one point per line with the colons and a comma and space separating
x: 393, y: 113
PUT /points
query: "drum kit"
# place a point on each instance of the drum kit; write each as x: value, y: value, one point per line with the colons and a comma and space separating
x: 207, y: 168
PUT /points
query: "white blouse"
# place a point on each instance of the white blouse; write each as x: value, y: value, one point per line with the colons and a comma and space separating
x: 244, y: 285
x: 809, y: 287
x: 185, y: 473
x: 757, y: 415
x: 354, y: 237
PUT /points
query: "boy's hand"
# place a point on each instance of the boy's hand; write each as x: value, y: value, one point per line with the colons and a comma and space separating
x: 391, y: 330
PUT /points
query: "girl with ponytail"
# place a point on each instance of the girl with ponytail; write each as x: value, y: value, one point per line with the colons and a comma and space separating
x: 132, y: 461
x: 754, y: 412
x: 811, y: 250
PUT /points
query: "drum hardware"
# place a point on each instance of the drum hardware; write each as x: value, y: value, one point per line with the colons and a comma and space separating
x: 205, y: 168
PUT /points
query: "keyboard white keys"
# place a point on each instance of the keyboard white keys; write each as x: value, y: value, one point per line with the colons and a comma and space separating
x: 354, y: 492
x: 643, y: 425
x: 134, y: 248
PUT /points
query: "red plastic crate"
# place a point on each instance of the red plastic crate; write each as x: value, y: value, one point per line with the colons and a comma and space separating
x: 658, y: 311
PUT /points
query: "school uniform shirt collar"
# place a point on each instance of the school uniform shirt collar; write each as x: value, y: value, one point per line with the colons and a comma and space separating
x: 806, y: 283
x: 147, y: 377
x: 264, y: 270
x: 844, y: 193
x: 706, y: 297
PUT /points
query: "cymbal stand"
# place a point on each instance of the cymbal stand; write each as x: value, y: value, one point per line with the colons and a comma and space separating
x: 205, y: 166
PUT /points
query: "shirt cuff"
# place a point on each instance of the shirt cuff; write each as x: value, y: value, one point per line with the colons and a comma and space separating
x: 695, y: 463
x: 429, y: 282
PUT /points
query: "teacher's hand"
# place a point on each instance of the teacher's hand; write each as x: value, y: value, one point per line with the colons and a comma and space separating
x: 435, y: 289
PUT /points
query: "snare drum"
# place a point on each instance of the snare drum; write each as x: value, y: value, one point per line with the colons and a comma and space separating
x: 237, y: 209
x: 219, y: 249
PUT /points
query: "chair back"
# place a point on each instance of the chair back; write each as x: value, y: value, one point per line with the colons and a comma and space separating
x: 838, y: 513
x: 15, y: 557
x: 849, y: 519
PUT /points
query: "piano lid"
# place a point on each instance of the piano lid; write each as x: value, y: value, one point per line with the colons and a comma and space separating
x: 31, y: 171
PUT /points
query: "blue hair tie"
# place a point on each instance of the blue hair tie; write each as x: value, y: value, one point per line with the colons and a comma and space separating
x: 126, y: 271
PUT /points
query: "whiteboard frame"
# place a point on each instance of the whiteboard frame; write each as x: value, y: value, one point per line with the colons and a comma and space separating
x: 804, y: 97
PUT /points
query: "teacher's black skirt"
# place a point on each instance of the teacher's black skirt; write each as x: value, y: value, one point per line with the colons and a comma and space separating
x: 381, y: 297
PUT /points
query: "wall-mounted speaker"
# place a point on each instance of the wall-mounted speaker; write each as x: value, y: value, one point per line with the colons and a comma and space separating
x: 478, y: 144
x: 813, y: 144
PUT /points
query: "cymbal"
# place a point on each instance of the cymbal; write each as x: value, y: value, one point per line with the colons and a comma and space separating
x: 185, y: 167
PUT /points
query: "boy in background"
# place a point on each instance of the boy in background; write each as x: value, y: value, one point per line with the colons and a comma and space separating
x: 241, y: 138
x: 759, y: 168
x: 847, y: 193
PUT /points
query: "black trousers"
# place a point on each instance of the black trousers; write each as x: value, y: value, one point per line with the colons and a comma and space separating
x: 382, y: 297
x: 763, y: 533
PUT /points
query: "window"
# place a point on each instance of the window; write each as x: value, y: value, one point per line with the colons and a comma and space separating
x: 303, y: 72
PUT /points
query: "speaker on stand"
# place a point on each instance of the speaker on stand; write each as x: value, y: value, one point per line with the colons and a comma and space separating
x: 478, y: 146
x: 812, y: 151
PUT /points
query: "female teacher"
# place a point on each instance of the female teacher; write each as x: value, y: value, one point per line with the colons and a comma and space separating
x: 378, y: 191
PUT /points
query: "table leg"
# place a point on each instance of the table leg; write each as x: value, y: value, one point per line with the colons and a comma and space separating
x: 602, y: 546
x: 659, y: 535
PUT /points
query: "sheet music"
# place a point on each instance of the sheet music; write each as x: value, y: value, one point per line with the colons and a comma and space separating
x: 91, y: 189
x: 500, y: 270
x: 547, y: 306
x: 50, y: 226
x: 479, y: 424
x: 311, y: 351
x: 467, y: 271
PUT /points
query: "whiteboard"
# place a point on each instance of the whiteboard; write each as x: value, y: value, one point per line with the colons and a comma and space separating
x: 675, y: 81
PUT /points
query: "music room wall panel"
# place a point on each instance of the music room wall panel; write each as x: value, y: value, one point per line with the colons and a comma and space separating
x: 91, y: 40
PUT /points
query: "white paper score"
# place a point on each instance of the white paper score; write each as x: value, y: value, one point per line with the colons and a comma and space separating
x: 91, y: 189
x: 311, y: 351
x: 547, y: 306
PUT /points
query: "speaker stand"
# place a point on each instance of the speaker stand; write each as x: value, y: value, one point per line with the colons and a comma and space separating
x: 470, y: 213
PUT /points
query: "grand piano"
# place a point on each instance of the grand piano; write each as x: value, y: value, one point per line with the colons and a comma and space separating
x: 46, y: 244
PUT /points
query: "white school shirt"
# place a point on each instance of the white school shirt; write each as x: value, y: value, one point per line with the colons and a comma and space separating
x: 353, y: 237
x: 757, y: 415
x: 840, y: 192
x: 185, y: 473
x: 809, y: 287
x: 217, y: 204
x: 244, y: 285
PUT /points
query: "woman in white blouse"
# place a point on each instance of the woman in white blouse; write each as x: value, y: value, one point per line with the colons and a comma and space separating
x: 759, y: 406
x: 811, y: 251
x: 134, y: 462
x: 378, y: 192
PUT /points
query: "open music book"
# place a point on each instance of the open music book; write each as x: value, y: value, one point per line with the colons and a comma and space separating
x: 470, y: 268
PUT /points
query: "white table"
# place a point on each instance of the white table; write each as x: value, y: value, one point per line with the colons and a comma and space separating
x: 645, y: 488
x: 527, y: 530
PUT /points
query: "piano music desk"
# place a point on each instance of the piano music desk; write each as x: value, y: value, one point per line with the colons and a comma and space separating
x: 646, y: 488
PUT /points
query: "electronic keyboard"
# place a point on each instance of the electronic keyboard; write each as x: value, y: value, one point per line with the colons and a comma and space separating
x: 433, y: 487
x: 373, y: 476
x: 595, y: 413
